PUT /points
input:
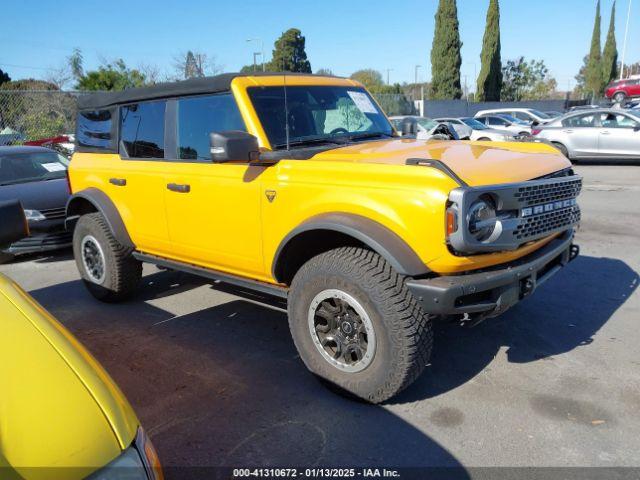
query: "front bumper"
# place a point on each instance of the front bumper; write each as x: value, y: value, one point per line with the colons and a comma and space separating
x: 492, y: 291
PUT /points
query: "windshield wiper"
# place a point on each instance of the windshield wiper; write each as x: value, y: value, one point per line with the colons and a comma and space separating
x: 311, y: 141
x: 364, y: 136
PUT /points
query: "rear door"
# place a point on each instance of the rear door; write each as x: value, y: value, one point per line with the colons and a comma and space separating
x: 619, y: 136
x: 213, y: 209
x: 580, y: 134
x: 634, y: 88
x: 136, y: 186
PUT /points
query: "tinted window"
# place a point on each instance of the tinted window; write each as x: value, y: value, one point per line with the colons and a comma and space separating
x: 198, y: 117
x: 31, y: 167
x: 583, y: 121
x: 142, y: 129
x: 94, y: 128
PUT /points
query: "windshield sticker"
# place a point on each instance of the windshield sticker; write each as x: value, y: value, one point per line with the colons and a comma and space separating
x: 54, y: 167
x: 363, y: 102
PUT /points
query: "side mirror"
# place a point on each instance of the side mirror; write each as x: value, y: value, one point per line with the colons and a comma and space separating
x: 233, y: 145
x: 14, y: 224
x: 409, y: 126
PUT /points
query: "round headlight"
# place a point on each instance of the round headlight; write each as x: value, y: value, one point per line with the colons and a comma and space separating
x: 482, y: 219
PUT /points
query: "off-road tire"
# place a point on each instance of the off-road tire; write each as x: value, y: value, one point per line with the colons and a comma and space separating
x: 403, y: 331
x: 122, y: 272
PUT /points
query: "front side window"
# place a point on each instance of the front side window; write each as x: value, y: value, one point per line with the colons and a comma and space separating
x: 580, y: 121
x: 94, y: 128
x: 498, y: 122
x: 317, y: 114
x: 31, y: 167
x: 198, y: 117
x: 613, y: 120
x: 142, y: 129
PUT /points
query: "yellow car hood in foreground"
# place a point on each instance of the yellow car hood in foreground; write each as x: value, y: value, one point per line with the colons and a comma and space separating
x: 58, y: 407
x: 477, y: 163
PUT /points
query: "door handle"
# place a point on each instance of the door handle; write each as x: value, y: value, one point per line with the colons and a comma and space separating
x: 180, y: 188
x: 118, y: 182
x: 605, y: 133
x: 568, y: 131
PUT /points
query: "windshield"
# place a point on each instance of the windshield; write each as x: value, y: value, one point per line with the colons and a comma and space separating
x: 515, y: 120
x: 475, y: 124
x: 540, y: 114
x: 318, y: 114
x: 427, y: 123
x: 31, y: 167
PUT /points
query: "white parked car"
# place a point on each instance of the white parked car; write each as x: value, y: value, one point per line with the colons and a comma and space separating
x: 529, y: 115
x: 426, y: 127
x: 479, y: 131
x: 501, y: 121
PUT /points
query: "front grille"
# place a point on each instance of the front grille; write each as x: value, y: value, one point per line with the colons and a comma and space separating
x: 53, y: 213
x: 545, y: 223
x: 548, y: 192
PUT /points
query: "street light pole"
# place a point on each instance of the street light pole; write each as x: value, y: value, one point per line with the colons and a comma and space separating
x: 261, y: 53
x: 388, y: 70
x: 416, y: 73
x: 624, y: 48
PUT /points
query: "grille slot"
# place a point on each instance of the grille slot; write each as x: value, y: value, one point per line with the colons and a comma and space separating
x: 53, y: 213
x: 546, y: 223
x: 547, y: 193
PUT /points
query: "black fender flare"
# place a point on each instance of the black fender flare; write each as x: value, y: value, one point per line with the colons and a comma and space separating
x: 371, y: 233
x: 105, y: 206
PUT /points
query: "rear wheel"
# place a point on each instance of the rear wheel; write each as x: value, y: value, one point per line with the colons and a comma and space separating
x: 619, y: 97
x: 107, y: 268
x: 357, y: 326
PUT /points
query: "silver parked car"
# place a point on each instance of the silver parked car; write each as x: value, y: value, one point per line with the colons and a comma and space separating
x: 502, y: 121
x: 530, y: 116
x: 479, y: 131
x: 595, y: 134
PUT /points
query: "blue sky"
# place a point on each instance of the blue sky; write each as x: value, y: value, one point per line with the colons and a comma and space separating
x: 341, y: 35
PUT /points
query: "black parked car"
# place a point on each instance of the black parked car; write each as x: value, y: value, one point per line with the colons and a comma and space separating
x: 37, y: 177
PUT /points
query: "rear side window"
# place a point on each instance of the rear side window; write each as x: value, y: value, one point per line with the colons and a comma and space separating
x: 142, y: 129
x: 94, y: 129
x: 580, y: 121
x: 198, y: 117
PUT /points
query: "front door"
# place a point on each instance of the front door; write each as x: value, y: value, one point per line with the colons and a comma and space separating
x: 580, y: 134
x: 213, y: 209
x: 619, y: 136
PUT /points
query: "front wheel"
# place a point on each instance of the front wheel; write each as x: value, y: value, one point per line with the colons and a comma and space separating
x: 357, y: 326
x: 107, y: 268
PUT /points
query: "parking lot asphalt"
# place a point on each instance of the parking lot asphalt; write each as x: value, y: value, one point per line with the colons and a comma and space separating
x: 215, y: 379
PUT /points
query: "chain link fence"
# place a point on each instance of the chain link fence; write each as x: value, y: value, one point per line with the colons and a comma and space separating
x: 28, y: 115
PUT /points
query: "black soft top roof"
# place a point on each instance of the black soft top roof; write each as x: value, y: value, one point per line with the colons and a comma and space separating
x: 193, y: 86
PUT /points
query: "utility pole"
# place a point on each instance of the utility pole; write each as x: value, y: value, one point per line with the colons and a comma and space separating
x: 388, y: 70
x: 416, y: 74
x: 626, y: 35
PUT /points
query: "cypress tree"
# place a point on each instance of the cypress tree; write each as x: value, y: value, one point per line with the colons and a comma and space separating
x: 610, y: 54
x: 594, y: 67
x: 445, y: 53
x: 490, y: 78
x: 289, y: 54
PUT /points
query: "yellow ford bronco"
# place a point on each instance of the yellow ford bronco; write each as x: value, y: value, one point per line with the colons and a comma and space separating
x: 298, y: 186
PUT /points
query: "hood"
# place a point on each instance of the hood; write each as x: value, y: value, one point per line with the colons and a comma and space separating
x: 477, y: 163
x: 41, y: 195
x: 58, y: 408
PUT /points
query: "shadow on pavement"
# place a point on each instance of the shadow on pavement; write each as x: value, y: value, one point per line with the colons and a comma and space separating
x: 565, y: 313
x: 224, y: 386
